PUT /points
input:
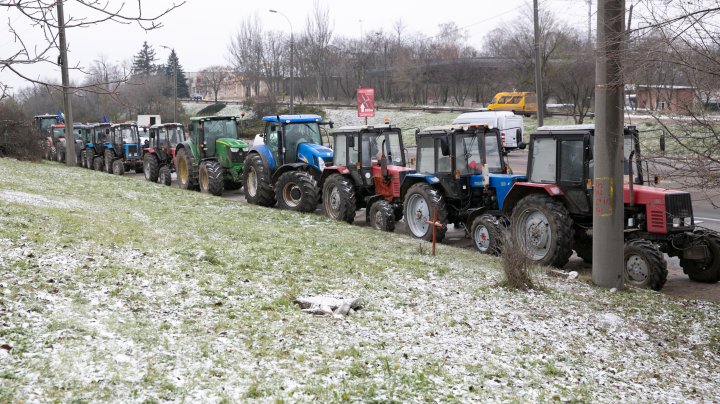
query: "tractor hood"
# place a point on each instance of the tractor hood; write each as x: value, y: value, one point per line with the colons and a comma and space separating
x: 315, y: 155
x: 232, y: 143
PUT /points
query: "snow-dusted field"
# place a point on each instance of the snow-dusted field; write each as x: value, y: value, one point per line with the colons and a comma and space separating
x: 117, y: 289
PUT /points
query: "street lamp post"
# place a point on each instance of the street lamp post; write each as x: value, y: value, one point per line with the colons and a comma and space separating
x: 292, y: 66
x: 174, y: 82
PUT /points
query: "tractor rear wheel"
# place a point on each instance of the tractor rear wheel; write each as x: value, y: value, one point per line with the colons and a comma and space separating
x: 184, y: 170
x: 109, y: 156
x: 487, y: 234
x: 90, y: 160
x: 98, y: 163
x: 211, y: 178
x: 118, y: 168
x: 339, y: 198
x: 382, y: 216
x: 165, y: 176
x: 708, y: 272
x: 256, y: 178
x: 645, y: 266
x: 152, y: 169
x: 420, y: 202
x: 296, y: 190
x: 82, y: 161
x: 60, y: 155
x: 543, y: 230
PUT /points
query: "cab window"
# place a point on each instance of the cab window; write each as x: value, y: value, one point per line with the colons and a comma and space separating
x: 543, y: 160
x: 425, y: 155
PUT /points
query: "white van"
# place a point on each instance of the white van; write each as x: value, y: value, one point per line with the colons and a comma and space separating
x: 510, y: 125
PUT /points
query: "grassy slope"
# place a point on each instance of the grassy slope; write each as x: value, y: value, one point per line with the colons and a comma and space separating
x: 115, y: 288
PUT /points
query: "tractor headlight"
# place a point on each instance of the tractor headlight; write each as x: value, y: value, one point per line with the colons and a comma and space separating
x: 245, y: 149
x: 676, y: 222
x: 688, y: 221
x: 321, y: 163
x: 234, y: 149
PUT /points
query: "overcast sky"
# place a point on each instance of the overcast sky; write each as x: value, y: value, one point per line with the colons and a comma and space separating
x: 200, y: 30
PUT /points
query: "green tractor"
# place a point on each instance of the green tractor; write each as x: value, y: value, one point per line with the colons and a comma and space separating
x: 211, y: 159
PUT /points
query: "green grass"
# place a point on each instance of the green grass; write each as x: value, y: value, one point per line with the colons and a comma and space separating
x: 121, y: 290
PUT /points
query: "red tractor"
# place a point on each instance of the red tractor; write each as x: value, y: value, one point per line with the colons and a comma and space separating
x: 552, y: 211
x: 159, y: 152
x: 369, y: 165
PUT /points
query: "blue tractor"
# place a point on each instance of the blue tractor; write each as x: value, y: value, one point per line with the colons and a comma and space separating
x: 123, y: 150
x: 95, y: 148
x: 286, y: 162
x: 461, y: 175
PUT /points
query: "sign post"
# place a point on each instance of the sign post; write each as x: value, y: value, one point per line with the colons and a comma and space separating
x: 366, y: 103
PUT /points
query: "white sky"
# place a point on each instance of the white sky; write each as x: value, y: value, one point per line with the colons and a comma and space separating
x: 200, y: 31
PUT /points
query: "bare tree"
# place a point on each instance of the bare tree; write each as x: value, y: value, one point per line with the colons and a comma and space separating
x: 214, y: 77
x: 41, y: 15
x: 318, y: 33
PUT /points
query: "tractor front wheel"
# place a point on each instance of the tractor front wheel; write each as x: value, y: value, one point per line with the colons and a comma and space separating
x: 98, y: 164
x: 82, y: 162
x: 184, y: 170
x: 487, y: 234
x: 420, y: 203
x: 118, y: 168
x: 165, y: 176
x: 709, y: 271
x: 296, y: 190
x: 90, y: 161
x: 257, y: 182
x: 382, y: 216
x: 543, y: 230
x: 109, y: 157
x: 152, y: 169
x: 339, y: 198
x: 645, y: 266
x: 211, y: 178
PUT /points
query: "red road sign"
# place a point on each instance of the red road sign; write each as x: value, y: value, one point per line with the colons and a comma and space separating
x: 366, y: 102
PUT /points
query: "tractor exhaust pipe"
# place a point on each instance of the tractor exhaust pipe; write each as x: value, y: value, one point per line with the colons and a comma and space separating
x: 632, y: 178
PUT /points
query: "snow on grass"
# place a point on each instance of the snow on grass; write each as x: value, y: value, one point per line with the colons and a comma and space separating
x: 145, y: 292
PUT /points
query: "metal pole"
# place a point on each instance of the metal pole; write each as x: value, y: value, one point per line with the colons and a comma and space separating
x: 70, y: 157
x: 589, y: 33
x: 175, y: 71
x: 538, y: 67
x: 608, y: 209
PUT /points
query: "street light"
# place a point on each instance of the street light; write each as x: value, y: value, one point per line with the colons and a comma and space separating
x: 174, y: 81
x: 292, y: 66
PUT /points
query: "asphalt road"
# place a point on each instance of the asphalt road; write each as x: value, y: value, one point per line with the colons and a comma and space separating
x: 677, y: 284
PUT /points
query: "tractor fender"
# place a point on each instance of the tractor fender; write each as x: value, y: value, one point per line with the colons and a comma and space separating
x: 414, y: 178
x: 333, y: 170
x: 520, y: 190
x: 265, y: 155
x: 293, y: 167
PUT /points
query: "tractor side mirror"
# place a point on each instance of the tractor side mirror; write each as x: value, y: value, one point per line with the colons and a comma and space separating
x: 145, y: 130
x: 107, y: 131
x: 351, y: 141
x: 273, y: 128
x: 332, y: 124
x: 522, y: 145
x: 444, y: 147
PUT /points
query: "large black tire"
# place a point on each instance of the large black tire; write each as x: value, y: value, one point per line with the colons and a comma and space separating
x: 98, y: 163
x: 82, y: 160
x: 297, y: 190
x: 339, y: 198
x: 118, y: 168
x: 487, y: 234
x: 420, y: 202
x: 382, y: 216
x: 60, y: 155
x: 152, y: 167
x: 645, y: 265
x: 165, y: 175
x: 185, y: 175
x: 543, y: 230
x: 583, y: 245
x: 109, y: 157
x: 210, y: 178
x: 256, y: 177
x: 90, y: 160
x: 705, y: 272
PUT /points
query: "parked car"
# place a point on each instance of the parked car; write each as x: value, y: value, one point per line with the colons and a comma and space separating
x: 509, y: 125
x: 521, y: 103
x: 196, y: 97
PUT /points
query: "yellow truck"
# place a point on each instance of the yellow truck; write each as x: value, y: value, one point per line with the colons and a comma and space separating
x: 520, y: 103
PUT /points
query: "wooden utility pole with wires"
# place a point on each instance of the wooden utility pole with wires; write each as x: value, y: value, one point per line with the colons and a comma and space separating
x: 70, y: 157
x: 608, y: 209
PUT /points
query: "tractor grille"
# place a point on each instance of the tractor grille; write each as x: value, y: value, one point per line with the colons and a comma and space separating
x: 678, y: 205
x: 328, y: 161
x: 132, y: 151
x: 237, y: 157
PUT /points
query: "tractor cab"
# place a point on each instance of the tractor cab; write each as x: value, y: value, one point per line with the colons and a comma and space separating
x: 100, y: 136
x: 209, y: 132
x: 461, y: 157
x: 44, y: 122
x: 126, y: 141
x: 165, y: 137
x: 296, y: 139
x: 159, y: 153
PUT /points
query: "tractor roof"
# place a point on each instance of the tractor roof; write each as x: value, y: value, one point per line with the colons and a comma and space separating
x: 117, y: 125
x: 99, y: 124
x: 166, y: 125
x: 366, y: 128
x: 573, y: 128
x: 213, y: 118
x: 293, y: 118
x: 45, y: 116
x: 450, y: 128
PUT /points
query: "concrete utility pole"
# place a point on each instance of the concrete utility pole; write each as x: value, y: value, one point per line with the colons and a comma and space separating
x: 538, y: 67
x: 70, y: 157
x: 608, y: 259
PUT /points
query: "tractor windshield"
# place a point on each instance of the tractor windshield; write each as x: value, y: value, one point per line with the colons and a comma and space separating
x: 469, y: 156
x: 544, y: 152
x: 217, y: 129
x: 306, y: 132
x: 47, y: 122
x: 170, y: 137
x: 393, y: 151
x: 129, y: 134
x: 58, y: 132
x: 426, y: 154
